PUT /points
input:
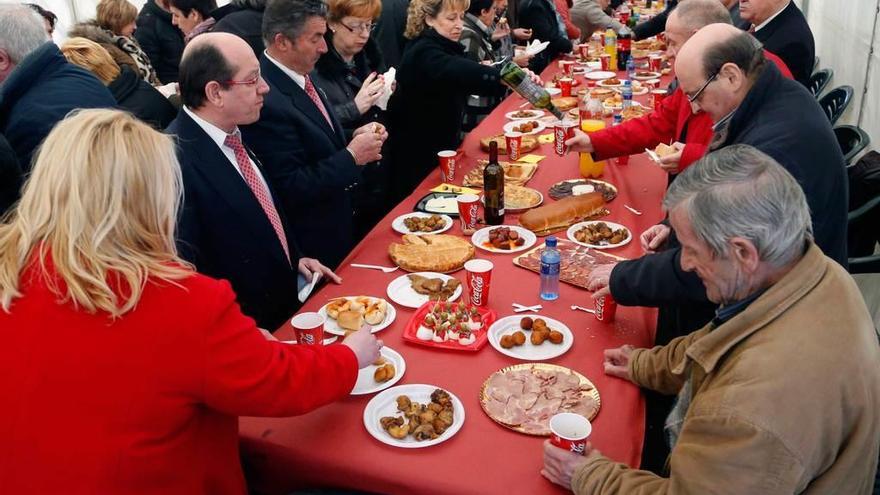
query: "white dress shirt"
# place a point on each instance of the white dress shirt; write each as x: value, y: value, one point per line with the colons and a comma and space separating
x: 764, y: 24
x: 218, y: 135
x: 296, y: 76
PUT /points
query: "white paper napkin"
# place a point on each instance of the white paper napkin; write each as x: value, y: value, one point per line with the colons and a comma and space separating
x: 389, y: 76
x: 305, y: 291
x: 535, y: 47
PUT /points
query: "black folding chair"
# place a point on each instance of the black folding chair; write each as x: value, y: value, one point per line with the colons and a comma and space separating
x: 835, y: 102
x: 861, y: 218
x: 852, y: 141
x: 819, y: 80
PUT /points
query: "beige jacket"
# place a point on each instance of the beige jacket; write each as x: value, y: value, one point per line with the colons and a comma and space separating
x: 786, y: 396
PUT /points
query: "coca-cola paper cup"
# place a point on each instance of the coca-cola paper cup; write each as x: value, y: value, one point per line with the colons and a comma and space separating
x: 447, y: 164
x: 651, y: 84
x: 563, y: 130
x: 569, y: 431
x: 606, y: 308
x: 514, y: 145
x: 658, y: 95
x: 567, y: 67
x: 565, y: 84
x: 468, y: 212
x: 309, y: 328
x: 655, y: 63
x: 605, y: 60
x: 584, y: 49
x: 479, y: 277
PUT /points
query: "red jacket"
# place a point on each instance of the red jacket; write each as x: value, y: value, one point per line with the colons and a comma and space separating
x: 149, y: 403
x: 572, y: 31
x: 664, y: 125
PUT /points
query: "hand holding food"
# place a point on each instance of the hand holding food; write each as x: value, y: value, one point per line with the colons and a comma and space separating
x: 365, y: 346
x: 670, y: 156
x: 366, y: 145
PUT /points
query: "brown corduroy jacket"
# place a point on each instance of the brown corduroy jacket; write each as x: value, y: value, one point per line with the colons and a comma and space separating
x: 786, y: 396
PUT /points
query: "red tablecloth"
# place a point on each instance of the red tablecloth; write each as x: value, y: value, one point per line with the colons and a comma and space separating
x: 330, y: 447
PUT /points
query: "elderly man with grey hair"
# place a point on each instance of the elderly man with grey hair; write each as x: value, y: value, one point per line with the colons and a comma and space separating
x: 780, y: 393
x: 38, y: 87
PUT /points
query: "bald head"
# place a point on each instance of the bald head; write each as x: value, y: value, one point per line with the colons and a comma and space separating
x: 696, y: 14
x: 722, y: 62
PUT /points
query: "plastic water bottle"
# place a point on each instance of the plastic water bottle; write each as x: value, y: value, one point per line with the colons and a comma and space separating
x: 550, y: 270
x: 627, y: 94
x: 630, y: 68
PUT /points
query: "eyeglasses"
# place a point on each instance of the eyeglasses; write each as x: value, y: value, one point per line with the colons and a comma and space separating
x: 246, y: 82
x: 361, y: 27
x: 695, y: 96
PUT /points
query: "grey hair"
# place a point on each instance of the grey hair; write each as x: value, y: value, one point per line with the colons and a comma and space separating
x: 741, y: 49
x: 21, y: 31
x: 288, y: 17
x: 739, y: 191
x: 695, y: 14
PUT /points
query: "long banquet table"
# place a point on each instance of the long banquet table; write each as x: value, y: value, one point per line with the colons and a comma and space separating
x: 331, y: 447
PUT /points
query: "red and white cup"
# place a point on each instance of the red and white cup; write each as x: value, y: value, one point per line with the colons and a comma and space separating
x: 513, y: 140
x: 563, y: 130
x: 584, y: 50
x: 565, y: 84
x: 309, y: 328
x: 567, y: 67
x: 479, y: 278
x: 661, y: 36
x: 652, y: 84
x: 605, y: 60
x: 468, y: 212
x: 569, y: 431
x: 655, y: 63
x: 606, y: 308
x: 658, y: 95
x: 447, y: 164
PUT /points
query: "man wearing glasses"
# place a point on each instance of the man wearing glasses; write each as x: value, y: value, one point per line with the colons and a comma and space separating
x: 299, y: 139
x: 723, y: 72
x: 231, y: 227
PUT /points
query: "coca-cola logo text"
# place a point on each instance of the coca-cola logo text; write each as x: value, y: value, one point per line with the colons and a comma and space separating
x: 477, y: 289
x: 473, y: 210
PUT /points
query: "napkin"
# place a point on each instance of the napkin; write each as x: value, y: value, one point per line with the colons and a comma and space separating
x: 533, y: 158
x: 306, y: 289
x: 389, y: 76
x: 536, y: 46
x: 546, y: 138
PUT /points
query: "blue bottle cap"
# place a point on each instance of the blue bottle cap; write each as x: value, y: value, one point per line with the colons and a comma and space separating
x: 550, y: 241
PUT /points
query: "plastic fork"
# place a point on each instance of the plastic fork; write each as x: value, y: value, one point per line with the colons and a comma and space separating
x: 652, y: 154
x: 386, y: 269
x: 575, y: 307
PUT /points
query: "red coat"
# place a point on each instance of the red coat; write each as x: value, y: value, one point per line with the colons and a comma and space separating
x: 572, y: 31
x: 149, y: 403
x: 664, y: 125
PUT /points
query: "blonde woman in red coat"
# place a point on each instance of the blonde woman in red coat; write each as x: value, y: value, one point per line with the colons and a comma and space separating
x: 121, y: 369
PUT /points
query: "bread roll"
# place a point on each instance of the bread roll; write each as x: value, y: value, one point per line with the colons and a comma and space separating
x: 663, y: 149
x: 563, y: 213
x: 350, y: 320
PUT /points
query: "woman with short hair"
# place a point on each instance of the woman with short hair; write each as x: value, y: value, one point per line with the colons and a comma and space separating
x: 130, y: 91
x: 125, y: 369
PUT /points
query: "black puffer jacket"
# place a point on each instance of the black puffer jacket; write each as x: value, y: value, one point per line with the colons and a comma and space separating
x: 246, y: 22
x: 144, y: 101
x: 160, y: 40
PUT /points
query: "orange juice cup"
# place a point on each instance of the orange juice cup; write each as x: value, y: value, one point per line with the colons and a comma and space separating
x: 589, y: 167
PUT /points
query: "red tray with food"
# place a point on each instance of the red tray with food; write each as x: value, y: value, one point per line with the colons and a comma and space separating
x: 452, y: 326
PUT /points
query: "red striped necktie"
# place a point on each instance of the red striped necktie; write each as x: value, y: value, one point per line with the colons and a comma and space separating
x: 313, y: 94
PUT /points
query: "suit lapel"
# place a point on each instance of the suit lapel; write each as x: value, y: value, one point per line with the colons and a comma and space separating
x: 299, y: 98
x: 214, y: 167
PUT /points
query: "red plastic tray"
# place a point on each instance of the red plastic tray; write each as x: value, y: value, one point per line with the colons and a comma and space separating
x: 482, y: 336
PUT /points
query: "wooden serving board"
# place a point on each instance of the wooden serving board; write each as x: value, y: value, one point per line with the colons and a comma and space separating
x: 576, y: 264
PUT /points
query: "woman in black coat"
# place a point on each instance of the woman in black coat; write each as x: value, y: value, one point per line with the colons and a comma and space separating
x: 433, y: 84
x: 130, y: 91
x: 350, y: 73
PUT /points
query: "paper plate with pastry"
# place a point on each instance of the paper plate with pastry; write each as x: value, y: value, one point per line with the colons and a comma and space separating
x: 414, y: 416
x: 439, y: 203
x: 639, y: 89
x: 504, y: 239
x: 645, y: 75
x: 514, y: 173
x: 421, y: 223
x: 519, y: 397
x: 441, y: 253
x: 524, y: 114
x: 381, y: 374
x: 599, y: 75
x: 560, y: 215
x: 454, y: 326
x: 529, y: 143
x: 599, y: 234
x: 530, y: 338
x: 415, y: 289
x: 344, y: 315
x: 576, y: 187
x: 526, y: 127
x: 563, y: 103
x: 518, y: 199
x: 634, y: 111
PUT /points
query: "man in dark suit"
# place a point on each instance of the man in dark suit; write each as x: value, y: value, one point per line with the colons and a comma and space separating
x: 299, y: 140
x: 230, y: 227
x: 783, y: 30
x: 542, y: 18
